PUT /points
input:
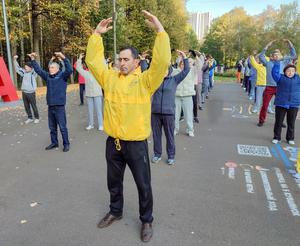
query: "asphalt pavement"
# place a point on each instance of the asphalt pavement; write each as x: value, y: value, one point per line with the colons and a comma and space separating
x: 230, y: 185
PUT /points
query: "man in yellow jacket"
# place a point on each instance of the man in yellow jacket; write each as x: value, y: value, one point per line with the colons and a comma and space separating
x: 127, y: 112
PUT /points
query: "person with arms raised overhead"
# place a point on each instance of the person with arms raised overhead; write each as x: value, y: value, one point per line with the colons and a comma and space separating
x: 127, y: 114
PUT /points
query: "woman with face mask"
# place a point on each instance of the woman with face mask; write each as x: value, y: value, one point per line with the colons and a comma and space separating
x: 287, y: 101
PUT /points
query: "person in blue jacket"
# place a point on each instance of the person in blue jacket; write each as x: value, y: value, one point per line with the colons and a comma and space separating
x: 163, y: 111
x: 56, y: 82
x: 287, y: 101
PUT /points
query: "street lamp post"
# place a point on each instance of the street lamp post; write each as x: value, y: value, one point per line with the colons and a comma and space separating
x: 115, y: 31
x: 10, y: 67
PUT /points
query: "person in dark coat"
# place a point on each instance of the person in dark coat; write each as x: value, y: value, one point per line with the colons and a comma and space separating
x: 163, y: 112
x: 56, y: 82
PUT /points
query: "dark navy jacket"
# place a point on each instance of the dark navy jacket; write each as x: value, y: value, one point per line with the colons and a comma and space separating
x: 163, y: 100
x: 288, y: 89
x: 56, y: 83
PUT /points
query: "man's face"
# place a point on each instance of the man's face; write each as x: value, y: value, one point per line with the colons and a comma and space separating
x: 127, y: 63
x: 276, y: 56
x: 27, y: 69
x: 290, y: 72
x: 53, y: 68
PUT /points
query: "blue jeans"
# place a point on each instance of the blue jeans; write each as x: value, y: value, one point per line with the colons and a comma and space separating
x: 252, y: 90
x: 95, y: 102
x: 57, y: 116
x: 259, y: 97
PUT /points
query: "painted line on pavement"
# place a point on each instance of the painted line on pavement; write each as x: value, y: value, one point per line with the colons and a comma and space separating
x: 297, y: 182
x: 248, y: 180
x: 287, y: 194
x: 241, y: 109
x: 268, y: 191
x: 288, y: 165
x: 275, y: 154
x: 249, y: 109
x: 231, y: 173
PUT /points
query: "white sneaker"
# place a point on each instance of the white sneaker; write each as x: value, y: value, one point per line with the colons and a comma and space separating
x: 89, y: 128
x: 100, y: 128
x: 270, y: 111
x: 275, y: 141
x: 28, y: 121
x: 175, y: 133
x: 254, y: 111
x: 36, y: 121
x: 191, y: 134
x: 291, y: 142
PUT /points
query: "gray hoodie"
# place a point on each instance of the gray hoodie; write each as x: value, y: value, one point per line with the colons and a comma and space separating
x: 28, y: 78
x: 270, y: 64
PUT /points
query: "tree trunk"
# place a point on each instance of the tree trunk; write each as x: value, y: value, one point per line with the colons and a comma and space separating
x: 1, y: 49
x: 41, y: 43
x: 72, y: 75
x: 36, y: 33
x: 29, y: 24
x: 13, y: 53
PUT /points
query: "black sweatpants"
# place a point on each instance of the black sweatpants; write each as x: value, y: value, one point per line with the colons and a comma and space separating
x: 291, y: 115
x: 29, y: 99
x: 135, y: 155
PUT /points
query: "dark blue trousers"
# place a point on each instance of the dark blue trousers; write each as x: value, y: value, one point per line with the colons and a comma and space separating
x: 81, y: 92
x: 168, y: 123
x: 57, y: 116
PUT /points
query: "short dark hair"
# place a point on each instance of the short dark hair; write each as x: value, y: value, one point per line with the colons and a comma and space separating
x: 134, y: 51
x: 28, y: 64
x: 289, y: 66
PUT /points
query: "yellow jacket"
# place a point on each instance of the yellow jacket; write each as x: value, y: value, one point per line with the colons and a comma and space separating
x: 298, y: 65
x: 127, y: 99
x: 261, y: 72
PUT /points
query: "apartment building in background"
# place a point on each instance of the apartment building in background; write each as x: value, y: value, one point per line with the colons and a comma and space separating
x: 200, y: 23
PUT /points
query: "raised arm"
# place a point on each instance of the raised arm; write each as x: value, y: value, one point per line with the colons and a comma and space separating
x: 262, y: 55
x: 180, y: 76
x: 43, y: 74
x: 161, y: 58
x: 79, y: 68
x: 293, y: 54
x: 67, y: 71
x: 253, y: 62
x: 18, y: 69
x: 95, y: 52
x: 276, y: 71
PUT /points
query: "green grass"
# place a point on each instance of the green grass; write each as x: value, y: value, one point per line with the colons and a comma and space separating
x: 221, y: 79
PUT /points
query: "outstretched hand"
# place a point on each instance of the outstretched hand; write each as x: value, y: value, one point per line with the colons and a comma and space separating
x: 103, y: 26
x: 59, y: 55
x: 288, y: 41
x: 144, y: 55
x: 32, y: 55
x: 181, y: 53
x: 270, y: 43
x: 81, y: 56
x: 153, y: 21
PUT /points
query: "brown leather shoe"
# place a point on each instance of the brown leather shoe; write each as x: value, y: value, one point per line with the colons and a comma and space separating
x: 108, y: 220
x: 146, y: 232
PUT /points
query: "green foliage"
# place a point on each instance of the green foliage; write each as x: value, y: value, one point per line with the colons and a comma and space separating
x: 237, y: 34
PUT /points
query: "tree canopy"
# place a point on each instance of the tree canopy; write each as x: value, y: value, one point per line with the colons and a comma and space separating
x: 236, y: 34
x: 46, y: 26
